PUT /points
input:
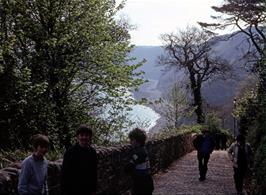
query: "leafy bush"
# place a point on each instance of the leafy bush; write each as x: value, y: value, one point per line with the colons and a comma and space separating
x: 164, y: 133
x: 260, y: 169
x: 213, y: 123
x: 9, y: 157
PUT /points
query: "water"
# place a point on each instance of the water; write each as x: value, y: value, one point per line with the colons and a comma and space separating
x: 143, y: 116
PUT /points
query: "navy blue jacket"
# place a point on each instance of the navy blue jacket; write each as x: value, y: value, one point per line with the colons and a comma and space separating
x: 79, y: 171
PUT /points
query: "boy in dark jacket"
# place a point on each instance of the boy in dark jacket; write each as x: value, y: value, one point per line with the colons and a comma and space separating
x: 204, y: 144
x: 79, y: 168
x: 139, y: 165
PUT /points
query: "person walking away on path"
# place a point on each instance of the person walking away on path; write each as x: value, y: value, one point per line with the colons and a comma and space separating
x: 241, y: 155
x: 139, y: 165
x: 33, y: 175
x: 79, y: 168
x: 204, y: 144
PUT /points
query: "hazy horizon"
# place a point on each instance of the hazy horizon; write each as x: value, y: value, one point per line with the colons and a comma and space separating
x: 153, y: 18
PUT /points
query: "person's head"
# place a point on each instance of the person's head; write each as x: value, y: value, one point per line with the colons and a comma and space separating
x: 40, y: 145
x: 137, y: 137
x: 241, y: 139
x: 84, y: 135
x: 205, y: 131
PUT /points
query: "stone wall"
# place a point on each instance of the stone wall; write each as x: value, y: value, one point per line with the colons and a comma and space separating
x: 111, y: 176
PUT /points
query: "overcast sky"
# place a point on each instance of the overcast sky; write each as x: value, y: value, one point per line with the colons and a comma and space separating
x: 155, y: 17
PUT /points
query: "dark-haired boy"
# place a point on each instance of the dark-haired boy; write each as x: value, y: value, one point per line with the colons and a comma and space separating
x: 33, y: 175
x: 79, y: 168
x: 139, y: 165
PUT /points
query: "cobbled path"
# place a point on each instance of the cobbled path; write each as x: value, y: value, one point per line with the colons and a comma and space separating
x: 182, y: 177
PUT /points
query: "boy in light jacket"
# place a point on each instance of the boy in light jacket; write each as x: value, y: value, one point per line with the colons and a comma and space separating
x: 33, y: 175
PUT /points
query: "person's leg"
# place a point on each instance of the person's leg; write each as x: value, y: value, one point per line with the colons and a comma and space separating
x: 205, y: 165
x: 147, y: 185
x: 242, y: 173
x: 142, y: 185
x: 135, y: 186
x: 239, y: 178
x: 200, y: 165
x: 236, y: 176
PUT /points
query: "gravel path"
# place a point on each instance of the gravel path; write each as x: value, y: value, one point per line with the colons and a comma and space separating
x: 182, y: 177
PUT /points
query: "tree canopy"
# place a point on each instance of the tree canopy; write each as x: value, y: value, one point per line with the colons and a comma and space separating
x: 63, y: 63
x: 248, y: 16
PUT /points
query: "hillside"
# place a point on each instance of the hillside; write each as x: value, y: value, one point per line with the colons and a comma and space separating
x: 218, y: 93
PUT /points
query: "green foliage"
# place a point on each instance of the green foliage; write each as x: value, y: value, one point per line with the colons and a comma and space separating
x: 193, y: 129
x: 246, y: 111
x: 54, y: 155
x: 63, y: 63
x: 174, y: 107
x: 8, y: 157
x: 260, y: 168
x: 165, y: 133
x: 213, y: 123
x: 251, y: 109
x: 260, y: 160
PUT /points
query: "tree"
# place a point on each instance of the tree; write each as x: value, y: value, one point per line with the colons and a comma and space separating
x: 174, y: 107
x: 74, y: 55
x: 247, y: 15
x: 189, y: 50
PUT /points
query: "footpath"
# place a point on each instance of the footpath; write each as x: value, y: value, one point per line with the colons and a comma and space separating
x: 181, y: 178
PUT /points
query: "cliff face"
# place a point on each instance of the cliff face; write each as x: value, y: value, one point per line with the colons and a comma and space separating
x: 111, y: 176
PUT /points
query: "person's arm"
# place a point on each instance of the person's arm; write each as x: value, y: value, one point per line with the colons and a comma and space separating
x: 130, y: 166
x: 250, y: 156
x: 46, y: 190
x: 231, y: 151
x: 24, y: 177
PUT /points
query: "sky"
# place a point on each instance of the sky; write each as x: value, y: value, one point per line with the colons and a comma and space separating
x: 153, y: 18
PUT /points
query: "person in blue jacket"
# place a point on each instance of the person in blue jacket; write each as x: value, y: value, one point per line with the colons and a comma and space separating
x: 204, y: 144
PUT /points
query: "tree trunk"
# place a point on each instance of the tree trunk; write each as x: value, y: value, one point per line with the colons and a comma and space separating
x: 198, y: 104
x: 196, y: 90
